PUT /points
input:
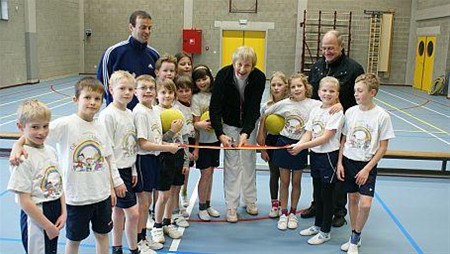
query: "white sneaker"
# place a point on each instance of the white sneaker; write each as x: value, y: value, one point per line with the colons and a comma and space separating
x: 149, y: 244
x: 319, y: 238
x: 180, y: 221
x: 172, y: 231
x: 282, y: 222
x: 346, y: 245
x: 184, y: 212
x: 252, y: 209
x: 292, y: 221
x: 158, y: 235
x: 204, y: 215
x: 213, y: 212
x: 184, y: 200
x: 232, y: 215
x: 143, y: 248
x: 274, y: 212
x: 150, y: 222
x: 310, y: 231
x: 352, y: 249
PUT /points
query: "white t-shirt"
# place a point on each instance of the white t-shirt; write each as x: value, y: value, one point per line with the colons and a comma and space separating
x: 295, y: 113
x: 364, y: 130
x: 188, y: 127
x: 320, y: 120
x: 200, y: 104
x: 148, y: 126
x: 82, y: 148
x: 120, y: 128
x: 38, y: 175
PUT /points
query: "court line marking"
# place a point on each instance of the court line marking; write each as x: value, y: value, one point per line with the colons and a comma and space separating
x: 413, y: 117
x: 425, y: 131
x: 48, y: 104
x: 418, y: 131
x: 57, y: 106
x: 33, y: 96
x: 431, y: 99
x: 176, y: 242
x: 417, y: 104
x: 399, y: 224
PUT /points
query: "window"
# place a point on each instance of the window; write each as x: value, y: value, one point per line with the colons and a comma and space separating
x: 4, y: 10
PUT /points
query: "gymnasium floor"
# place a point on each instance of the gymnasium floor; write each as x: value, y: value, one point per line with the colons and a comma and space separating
x: 409, y: 215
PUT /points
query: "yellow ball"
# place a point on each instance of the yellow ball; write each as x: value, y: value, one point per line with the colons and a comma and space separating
x: 274, y: 123
x: 205, y: 116
x: 168, y: 116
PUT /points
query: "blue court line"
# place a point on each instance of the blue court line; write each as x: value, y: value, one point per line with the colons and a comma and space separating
x: 399, y: 225
x: 3, y: 193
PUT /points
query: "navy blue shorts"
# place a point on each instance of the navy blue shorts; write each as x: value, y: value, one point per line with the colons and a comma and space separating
x: 171, y: 170
x: 283, y: 159
x: 34, y: 236
x: 148, y: 169
x: 130, y: 197
x: 79, y: 217
x: 271, y: 140
x: 323, y: 166
x: 352, y: 168
x: 208, y: 157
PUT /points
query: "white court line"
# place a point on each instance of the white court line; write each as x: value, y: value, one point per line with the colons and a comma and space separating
x: 432, y: 110
x: 34, y: 96
x: 48, y: 104
x: 58, y: 106
x: 176, y: 242
x: 429, y: 133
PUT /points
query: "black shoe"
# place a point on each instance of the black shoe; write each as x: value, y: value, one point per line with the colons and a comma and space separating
x: 338, y: 221
x: 309, y: 212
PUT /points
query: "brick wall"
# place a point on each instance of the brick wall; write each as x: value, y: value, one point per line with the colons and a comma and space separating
x: 12, y: 50
x: 58, y: 37
x: 108, y: 20
x: 360, y: 30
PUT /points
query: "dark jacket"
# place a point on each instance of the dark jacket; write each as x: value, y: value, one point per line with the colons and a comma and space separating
x: 130, y: 55
x: 346, y: 70
x: 226, y: 104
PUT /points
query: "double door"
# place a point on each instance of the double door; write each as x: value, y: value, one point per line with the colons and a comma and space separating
x: 423, y: 72
x: 232, y: 39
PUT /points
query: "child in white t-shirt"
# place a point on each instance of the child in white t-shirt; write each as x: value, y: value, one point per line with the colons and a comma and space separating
x: 366, y: 134
x: 184, y: 86
x: 172, y: 167
x: 207, y: 159
x: 37, y: 182
x: 278, y: 91
x: 295, y: 110
x: 90, y: 177
x: 323, y: 131
x: 119, y: 123
x: 150, y: 145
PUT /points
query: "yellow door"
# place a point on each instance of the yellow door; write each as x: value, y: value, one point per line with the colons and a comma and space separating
x: 232, y: 39
x: 420, y: 59
x: 257, y: 40
x: 430, y: 49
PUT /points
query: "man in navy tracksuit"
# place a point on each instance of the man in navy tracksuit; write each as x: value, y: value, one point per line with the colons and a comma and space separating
x: 133, y: 55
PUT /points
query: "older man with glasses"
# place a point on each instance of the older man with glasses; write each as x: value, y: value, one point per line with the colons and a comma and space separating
x: 335, y: 63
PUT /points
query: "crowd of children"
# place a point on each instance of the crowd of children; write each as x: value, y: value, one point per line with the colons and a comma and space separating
x: 126, y: 160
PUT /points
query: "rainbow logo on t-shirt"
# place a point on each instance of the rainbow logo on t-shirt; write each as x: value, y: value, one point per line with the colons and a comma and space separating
x: 87, y: 157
